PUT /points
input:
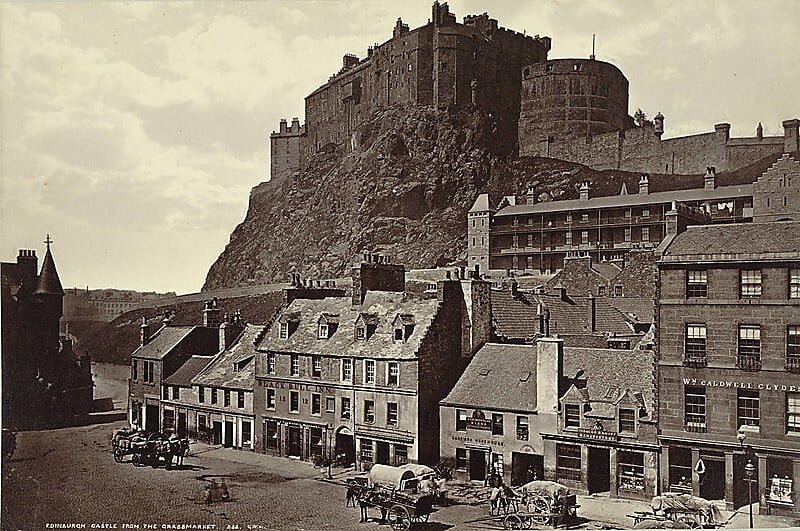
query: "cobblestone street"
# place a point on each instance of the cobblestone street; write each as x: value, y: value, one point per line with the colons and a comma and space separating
x: 69, y: 476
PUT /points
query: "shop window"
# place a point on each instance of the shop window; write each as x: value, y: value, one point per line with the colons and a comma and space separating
x: 696, y: 284
x: 694, y: 408
x: 522, y: 428
x: 497, y: 464
x: 345, y: 408
x: 461, y: 420
x: 330, y: 404
x: 391, y: 413
x: 568, y: 462
x: 750, y: 283
x: 294, y: 402
x: 695, y: 344
x: 247, y: 431
x: 572, y: 416
x: 270, y: 398
x: 400, y: 454
x: 627, y: 421
x: 369, y: 411
x: 631, y: 471
x: 680, y: 469
x: 316, y: 404
x: 780, y: 483
x: 794, y: 283
x: 497, y: 424
x: 747, y: 408
x: 366, y: 450
x: 461, y: 458
x: 792, y: 412
x: 749, y: 348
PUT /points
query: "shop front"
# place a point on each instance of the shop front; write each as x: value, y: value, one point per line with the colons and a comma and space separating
x: 296, y: 440
x: 383, y: 447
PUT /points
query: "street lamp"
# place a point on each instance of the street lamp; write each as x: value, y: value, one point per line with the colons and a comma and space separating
x: 749, y: 471
x: 330, y: 448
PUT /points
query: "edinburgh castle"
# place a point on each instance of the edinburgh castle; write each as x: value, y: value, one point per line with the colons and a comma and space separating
x: 569, y: 109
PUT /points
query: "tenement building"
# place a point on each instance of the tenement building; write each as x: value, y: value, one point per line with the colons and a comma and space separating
x: 358, y: 378
x: 729, y: 363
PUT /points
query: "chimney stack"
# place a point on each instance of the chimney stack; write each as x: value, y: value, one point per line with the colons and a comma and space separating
x: 144, y: 332
x: 167, y: 320
x: 549, y: 370
x: 710, y: 179
x: 230, y: 330
x: 584, y: 190
x: 644, y: 184
x: 211, y: 314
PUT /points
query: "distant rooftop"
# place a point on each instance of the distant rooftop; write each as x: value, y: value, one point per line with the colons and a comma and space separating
x: 775, y: 240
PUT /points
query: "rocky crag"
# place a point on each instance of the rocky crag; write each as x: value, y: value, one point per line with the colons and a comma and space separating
x: 404, y: 190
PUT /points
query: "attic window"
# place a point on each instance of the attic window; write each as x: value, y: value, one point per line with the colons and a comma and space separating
x: 398, y: 334
x: 283, y: 332
x: 361, y: 332
x: 403, y: 326
x: 322, y: 333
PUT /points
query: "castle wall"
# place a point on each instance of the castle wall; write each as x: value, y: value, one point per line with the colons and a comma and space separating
x: 776, y: 193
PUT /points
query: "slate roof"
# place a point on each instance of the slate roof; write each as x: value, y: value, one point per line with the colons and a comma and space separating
x: 183, y: 376
x: 694, y: 194
x: 515, y: 316
x: 616, y: 370
x: 736, y: 241
x: 162, y: 342
x: 221, y: 373
x: 606, y: 269
x: 639, y: 309
x: 499, y: 377
x: 49, y: 283
x: 381, y: 344
x: 481, y: 204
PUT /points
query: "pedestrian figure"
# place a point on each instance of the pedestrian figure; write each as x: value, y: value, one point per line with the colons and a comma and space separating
x: 351, y: 495
x: 362, y: 503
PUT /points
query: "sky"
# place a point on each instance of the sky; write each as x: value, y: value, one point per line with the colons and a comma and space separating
x: 132, y: 132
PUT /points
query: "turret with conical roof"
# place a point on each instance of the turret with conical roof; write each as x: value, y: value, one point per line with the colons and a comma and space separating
x: 49, y: 283
x: 49, y: 296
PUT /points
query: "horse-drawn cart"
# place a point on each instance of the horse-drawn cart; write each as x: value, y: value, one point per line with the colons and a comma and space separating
x: 395, y: 491
x: 669, y: 508
x: 537, y: 502
x: 148, y: 450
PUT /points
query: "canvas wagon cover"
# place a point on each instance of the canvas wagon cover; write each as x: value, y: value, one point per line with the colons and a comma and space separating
x: 390, y: 476
x: 686, y: 503
x: 546, y: 488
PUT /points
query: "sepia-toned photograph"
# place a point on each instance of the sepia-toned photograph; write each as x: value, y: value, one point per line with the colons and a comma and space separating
x: 420, y: 265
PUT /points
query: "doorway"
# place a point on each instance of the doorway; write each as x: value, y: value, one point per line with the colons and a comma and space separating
x: 228, y: 434
x: 295, y: 448
x: 740, y: 483
x: 382, y: 453
x: 345, y: 447
x: 182, y: 424
x: 151, y: 418
x: 525, y: 468
x: 216, y: 432
x: 598, y: 471
x: 712, y: 483
x: 477, y: 465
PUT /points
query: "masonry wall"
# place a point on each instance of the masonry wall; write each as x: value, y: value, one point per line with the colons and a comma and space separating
x: 284, y: 150
x: 776, y: 194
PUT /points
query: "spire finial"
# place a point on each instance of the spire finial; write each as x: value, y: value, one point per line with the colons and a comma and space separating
x: 48, y: 241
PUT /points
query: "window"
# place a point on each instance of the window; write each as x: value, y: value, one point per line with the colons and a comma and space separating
x: 227, y: 396
x: 149, y: 372
x: 601, y: 291
x: 794, y: 283
x: 569, y: 218
x: 497, y: 424
x: 747, y: 410
x: 627, y: 421
x: 270, y: 398
x: 316, y: 404
x: 330, y: 404
x: 749, y: 357
x: 695, y: 343
x: 283, y: 331
x: 322, y: 331
x: 246, y: 434
x: 165, y: 392
x: 316, y: 367
x: 645, y: 234
x: 618, y: 290
x: 645, y: 212
x: 398, y: 334
x: 461, y: 458
x: 627, y: 212
x: 631, y: 471
x: 201, y: 394
x: 792, y: 412
x: 793, y: 347
x: 461, y: 420
x: 295, y: 371
x: 361, y: 332
x: 272, y: 435
x: 135, y: 370
x: 696, y: 284
x: 584, y: 237
x: 345, y: 408
x: 392, y: 373
x: 522, y: 428
x: 271, y: 363
x: 694, y: 408
x: 400, y: 454
x: 176, y: 392
x: 627, y: 234
x: 294, y: 402
x: 750, y: 283
x: 240, y: 399
x: 391, y: 413
x: 369, y: 371
x: 572, y: 416
x: 213, y: 396
x: 366, y: 450
x: 568, y: 238
x: 347, y: 370
x: 568, y: 462
x: 369, y: 411
x: 584, y: 218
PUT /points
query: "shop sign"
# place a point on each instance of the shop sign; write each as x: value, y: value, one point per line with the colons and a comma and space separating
x: 473, y: 440
x: 303, y: 387
x: 741, y: 385
x: 478, y: 421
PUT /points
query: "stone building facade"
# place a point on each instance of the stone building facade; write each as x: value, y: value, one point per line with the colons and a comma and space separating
x: 284, y: 149
x: 776, y: 193
x: 729, y: 363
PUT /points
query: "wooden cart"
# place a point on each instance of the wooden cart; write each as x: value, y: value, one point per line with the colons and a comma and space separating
x: 692, y: 511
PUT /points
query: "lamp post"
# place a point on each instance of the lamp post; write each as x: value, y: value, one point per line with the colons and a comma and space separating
x: 749, y: 471
x: 330, y: 449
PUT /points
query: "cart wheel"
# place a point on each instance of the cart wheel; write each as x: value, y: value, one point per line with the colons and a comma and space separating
x: 541, y: 512
x: 118, y: 455
x: 512, y: 521
x: 399, y: 518
x: 689, y: 522
x: 527, y: 521
x: 136, y: 459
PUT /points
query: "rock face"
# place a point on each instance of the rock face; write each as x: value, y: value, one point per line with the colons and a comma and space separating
x: 404, y: 190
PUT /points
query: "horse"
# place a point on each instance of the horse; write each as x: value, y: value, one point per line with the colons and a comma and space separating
x: 178, y: 449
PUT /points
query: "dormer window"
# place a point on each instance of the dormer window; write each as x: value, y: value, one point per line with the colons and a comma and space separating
x: 361, y: 332
x: 322, y: 332
x: 326, y: 325
x: 365, y: 325
x: 283, y: 333
x: 403, y: 326
x: 287, y: 324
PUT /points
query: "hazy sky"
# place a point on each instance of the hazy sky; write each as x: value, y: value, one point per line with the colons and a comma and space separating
x: 132, y: 132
